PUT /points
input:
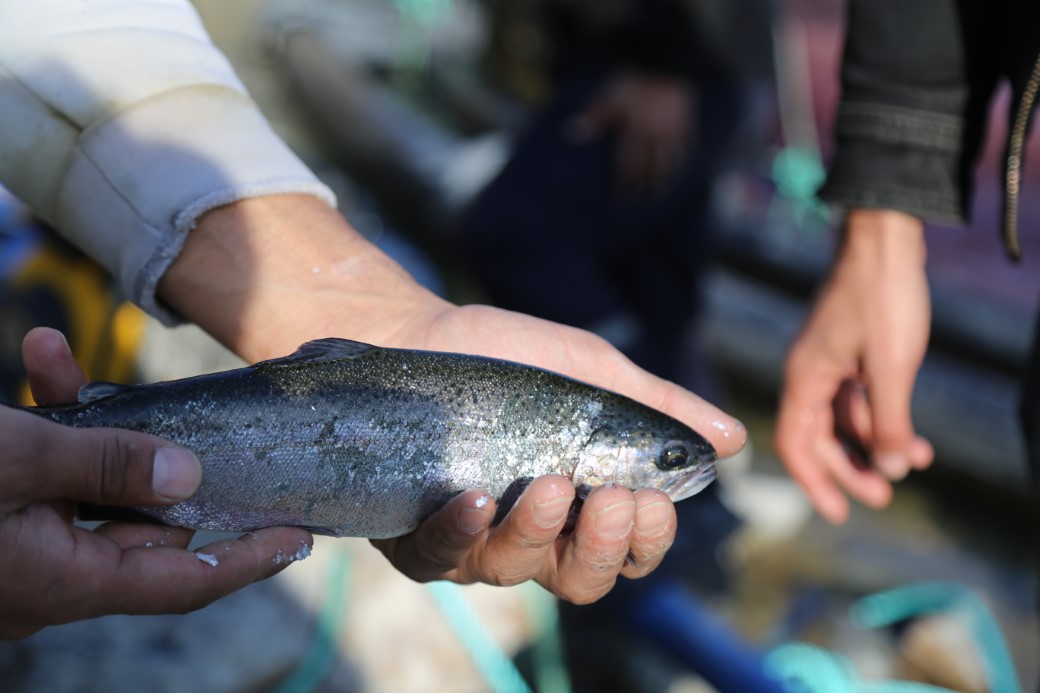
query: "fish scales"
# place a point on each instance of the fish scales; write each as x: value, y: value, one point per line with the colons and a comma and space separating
x: 349, y: 439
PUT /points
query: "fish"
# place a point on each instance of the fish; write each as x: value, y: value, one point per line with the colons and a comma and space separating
x: 350, y: 439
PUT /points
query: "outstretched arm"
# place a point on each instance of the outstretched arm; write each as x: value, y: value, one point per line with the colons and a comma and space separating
x: 267, y: 274
x: 851, y: 372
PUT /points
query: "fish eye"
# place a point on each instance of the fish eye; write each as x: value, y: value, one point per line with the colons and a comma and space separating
x: 673, y: 456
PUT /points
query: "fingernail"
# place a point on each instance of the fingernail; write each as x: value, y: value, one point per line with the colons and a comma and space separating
x: 893, y: 464
x: 551, y: 513
x: 475, y: 519
x: 615, y: 521
x: 65, y: 341
x: 176, y: 473
x: 653, y: 518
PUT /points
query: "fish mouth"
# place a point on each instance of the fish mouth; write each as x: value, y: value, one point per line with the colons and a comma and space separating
x: 686, y: 486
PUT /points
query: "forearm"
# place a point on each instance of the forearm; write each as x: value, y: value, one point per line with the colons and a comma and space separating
x: 265, y: 274
x: 878, y: 272
x: 885, y: 240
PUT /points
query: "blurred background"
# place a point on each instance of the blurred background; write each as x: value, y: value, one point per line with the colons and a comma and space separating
x: 493, y: 148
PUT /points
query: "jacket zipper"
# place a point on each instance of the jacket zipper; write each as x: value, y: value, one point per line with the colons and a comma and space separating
x: 1013, y: 173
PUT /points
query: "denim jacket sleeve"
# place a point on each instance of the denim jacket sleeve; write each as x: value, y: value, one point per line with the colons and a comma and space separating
x: 916, y: 79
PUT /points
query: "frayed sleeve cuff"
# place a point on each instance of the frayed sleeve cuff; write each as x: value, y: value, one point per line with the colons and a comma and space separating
x: 137, y: 183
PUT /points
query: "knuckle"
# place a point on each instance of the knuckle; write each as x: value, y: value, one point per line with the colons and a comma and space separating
x: 504, y: 574
x: 651, y: 552
x: 602, y: 564
x: 527, y: 543
x: 113, y: 476
x: 434, y: 558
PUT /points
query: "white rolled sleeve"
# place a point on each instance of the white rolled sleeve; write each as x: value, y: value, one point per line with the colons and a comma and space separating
x: 122, y: 124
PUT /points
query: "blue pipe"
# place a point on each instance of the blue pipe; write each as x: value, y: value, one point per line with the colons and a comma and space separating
x: 669, y: 616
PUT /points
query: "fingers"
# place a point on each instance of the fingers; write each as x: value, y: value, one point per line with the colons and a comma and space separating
x: 595, y: 554
x: 444, y: 541
x: 518, y: 549
x: 580, y: 566
x: 857, y: 417
x: 816, y: 403
x: 921, y: 453
x: 726, y: 434
x: 102, y: 466
x: 616, y: 372
x: 54, y: 375
x: 798, y: 425
x: 159, y: 580
x: 653, y: 533
x: 826, y: 441
x: 130, y: 535
x: 893, y: 433
x: 863, y: 483
x: 457, y: 544
x: 47, y: 461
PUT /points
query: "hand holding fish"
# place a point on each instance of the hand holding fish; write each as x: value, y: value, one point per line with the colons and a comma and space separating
x: 617, y: 532
x: 54, y: 572
x: 267, y: 274
x: 850, y: 374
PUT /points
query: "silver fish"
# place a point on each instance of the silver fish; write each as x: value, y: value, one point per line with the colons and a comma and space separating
x: 349, y: 439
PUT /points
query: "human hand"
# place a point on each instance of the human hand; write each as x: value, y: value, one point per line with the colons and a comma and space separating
x: 650, y: 118
x: 251, y: 279
x: 850, y: 374
x: 458, y: 544
x: 54, y: 572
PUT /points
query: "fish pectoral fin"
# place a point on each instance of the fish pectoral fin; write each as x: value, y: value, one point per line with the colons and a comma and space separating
x: 89, y: 512
x: 328, y: 349
x: 323, y: 531
x: 92, y: 392
x: 509, y: 497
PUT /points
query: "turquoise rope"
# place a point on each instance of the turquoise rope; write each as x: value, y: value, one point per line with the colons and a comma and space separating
x: 803, y: 668
x: 418, y: 19
x: 798, y: 174
x: 496, y: 668
x: 906, y: 602
x: 315, y: 665
x: 425, y: 13
x: 550, y: 667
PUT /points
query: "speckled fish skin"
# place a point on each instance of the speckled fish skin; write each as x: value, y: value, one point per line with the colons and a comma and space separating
x: 349, y: 439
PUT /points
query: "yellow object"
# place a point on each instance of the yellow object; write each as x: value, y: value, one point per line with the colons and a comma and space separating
x: 104, y: 337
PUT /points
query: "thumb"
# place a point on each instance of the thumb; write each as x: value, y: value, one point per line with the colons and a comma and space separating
x: 98, y: 465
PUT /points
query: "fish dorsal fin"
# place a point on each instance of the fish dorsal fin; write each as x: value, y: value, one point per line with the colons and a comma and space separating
x: 91, y: 392
x: 328, y: 349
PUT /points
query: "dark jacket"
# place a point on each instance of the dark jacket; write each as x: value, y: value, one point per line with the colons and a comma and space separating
x: 917, y: 78
x: 657, y: 36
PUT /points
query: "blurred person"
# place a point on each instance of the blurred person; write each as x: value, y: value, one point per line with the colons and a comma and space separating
x: 128, y: 131
x: 917, y: 81
x: 602, y: 219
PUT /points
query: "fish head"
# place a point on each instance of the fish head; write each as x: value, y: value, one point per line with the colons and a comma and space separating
x: 650, y: 450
